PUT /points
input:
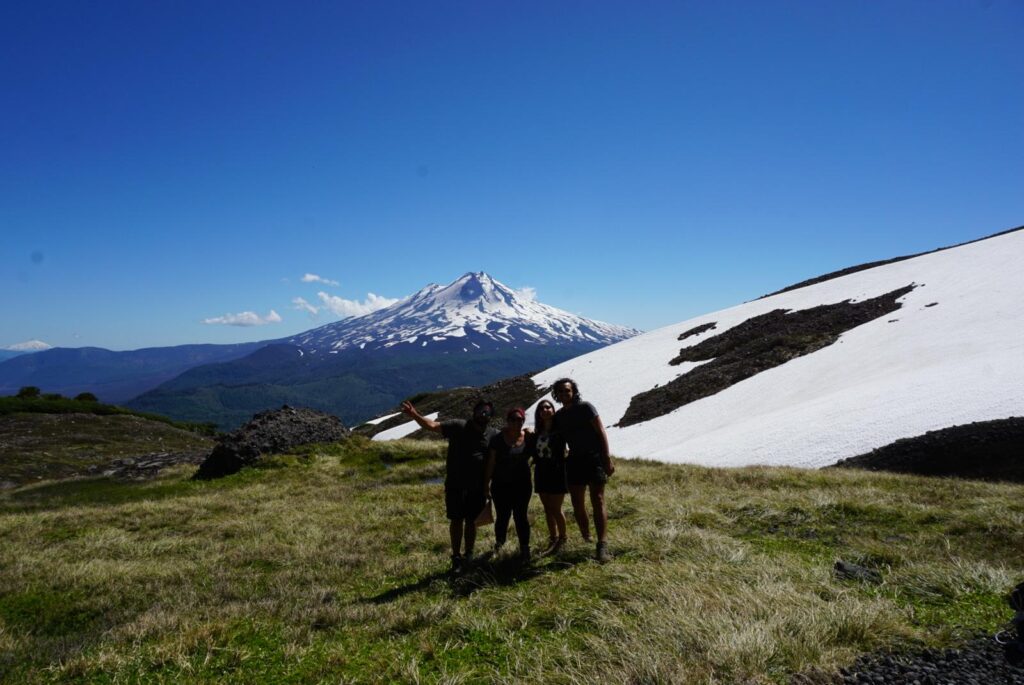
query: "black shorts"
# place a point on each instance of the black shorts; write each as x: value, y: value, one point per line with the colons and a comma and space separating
x: 549, y: 477
x: 463, y: 505
x: 585, y: 470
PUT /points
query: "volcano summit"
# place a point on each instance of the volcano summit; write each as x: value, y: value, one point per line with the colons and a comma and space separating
x: 472, y: 331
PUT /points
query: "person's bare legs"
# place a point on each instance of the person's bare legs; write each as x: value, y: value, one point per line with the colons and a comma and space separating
x: 470, y: 538
x: 600, y: 513
x: 578, y: 495
x: 455, y: 533
x: 556, y: 506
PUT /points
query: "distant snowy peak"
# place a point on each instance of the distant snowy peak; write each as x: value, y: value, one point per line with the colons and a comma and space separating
x: 473, y: 312
x: 29, y: 346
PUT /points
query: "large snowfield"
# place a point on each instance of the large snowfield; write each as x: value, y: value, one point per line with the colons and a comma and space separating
x: 957, y: 361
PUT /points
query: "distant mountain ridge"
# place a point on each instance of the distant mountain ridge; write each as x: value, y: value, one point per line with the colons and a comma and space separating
x: 111, y: 376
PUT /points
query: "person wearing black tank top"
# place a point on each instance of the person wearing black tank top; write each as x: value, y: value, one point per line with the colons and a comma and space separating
x: 507, y: 481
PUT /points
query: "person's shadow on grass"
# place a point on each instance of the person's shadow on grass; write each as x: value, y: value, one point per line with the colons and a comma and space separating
x: 488, y: 570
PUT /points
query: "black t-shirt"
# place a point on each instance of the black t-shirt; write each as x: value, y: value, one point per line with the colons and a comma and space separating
x: 467, y: 454
x: 511, y: 463
x: 574, y: 422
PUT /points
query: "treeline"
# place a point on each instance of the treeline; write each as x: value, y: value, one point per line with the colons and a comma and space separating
x: 32, y: 399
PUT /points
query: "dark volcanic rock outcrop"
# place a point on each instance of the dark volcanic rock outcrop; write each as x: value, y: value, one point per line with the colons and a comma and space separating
x: 986, y: 450
x: 270, y: 432
x: 756, y: 345
x: 457, y: 403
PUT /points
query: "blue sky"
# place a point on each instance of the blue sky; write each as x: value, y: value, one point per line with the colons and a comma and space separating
x: 166, y: 163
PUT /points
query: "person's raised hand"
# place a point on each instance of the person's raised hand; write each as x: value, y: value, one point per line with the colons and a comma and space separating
x: 408, y: 409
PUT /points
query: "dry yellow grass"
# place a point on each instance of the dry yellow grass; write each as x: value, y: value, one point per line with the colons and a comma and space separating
x: 332, y: 568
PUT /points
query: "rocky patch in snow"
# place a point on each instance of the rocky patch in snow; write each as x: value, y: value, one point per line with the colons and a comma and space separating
x: 697, y: 330
x: 270, y: 432
x: 985, y: 450
x: 758, y: 344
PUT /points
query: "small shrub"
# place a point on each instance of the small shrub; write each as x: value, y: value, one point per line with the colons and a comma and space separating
x: 53, y: 396
x: 86, y: 397
x: 28, y: 392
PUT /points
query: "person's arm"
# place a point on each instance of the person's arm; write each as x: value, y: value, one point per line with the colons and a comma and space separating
x: 423, y: 421
x: 489, y: 471
x: 609, y: 467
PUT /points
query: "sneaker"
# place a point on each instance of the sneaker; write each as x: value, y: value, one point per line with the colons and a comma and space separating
x: 602, y: 554
x: 557, y: 547
x: 456, y: 564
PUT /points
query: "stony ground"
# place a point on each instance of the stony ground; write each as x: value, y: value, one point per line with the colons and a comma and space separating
x: 36, y: 446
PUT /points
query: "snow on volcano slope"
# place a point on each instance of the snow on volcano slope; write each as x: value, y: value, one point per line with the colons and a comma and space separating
x: 953, y: 353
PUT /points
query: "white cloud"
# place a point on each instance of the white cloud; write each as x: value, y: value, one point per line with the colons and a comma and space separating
x: 29, y: 346
x: 313, y: 278
x: 301, y: 304
x: 245, y: 319
x: 528, y: 293
x: 345, y: 308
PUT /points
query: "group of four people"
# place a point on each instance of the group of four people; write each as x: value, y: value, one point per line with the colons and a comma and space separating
x: 569, y: 452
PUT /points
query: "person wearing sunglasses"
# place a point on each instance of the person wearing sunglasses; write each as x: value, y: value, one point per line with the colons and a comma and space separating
x: 464, y: 497
x: 507, y: 480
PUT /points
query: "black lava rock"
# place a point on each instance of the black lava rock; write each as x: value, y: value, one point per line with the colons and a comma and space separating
x: 270, y: 432
x: 986, y: 450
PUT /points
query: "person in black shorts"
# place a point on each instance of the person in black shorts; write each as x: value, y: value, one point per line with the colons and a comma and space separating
x: 464, y: 473
x: 507, y: 480
x: 546, y: 449
x: 588, y: 463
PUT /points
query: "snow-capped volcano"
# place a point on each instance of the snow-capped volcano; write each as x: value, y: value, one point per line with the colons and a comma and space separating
x: 473, y: 312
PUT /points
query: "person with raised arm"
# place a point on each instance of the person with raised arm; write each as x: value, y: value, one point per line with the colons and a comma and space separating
x: 464, y: 474
x: 588, y: 463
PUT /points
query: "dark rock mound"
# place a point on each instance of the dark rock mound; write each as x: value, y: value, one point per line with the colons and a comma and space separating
x: 980, y: 660
x: 985, y: 450
x: 270, y: 432
x: 457, y: 403
x: 758, y: 344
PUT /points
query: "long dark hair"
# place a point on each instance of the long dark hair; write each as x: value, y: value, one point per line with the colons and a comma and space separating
x: 576, y: 397
x: 538, y: 423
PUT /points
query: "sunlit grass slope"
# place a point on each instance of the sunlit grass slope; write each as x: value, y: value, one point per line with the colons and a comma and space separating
x: 331, y: 567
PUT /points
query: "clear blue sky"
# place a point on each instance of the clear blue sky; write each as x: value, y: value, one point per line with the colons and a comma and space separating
x: 163, y: 163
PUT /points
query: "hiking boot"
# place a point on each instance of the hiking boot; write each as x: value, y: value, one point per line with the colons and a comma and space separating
x: 457, y: 565
x: 524, y: 555
x: 602, y: 554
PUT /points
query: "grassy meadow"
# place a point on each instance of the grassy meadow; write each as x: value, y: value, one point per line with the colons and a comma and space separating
x: 331, y: 566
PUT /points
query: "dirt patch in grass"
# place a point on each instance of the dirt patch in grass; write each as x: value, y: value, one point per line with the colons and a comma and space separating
x: 986, y: 450
x: 758, y: 344
x: 36, y: 446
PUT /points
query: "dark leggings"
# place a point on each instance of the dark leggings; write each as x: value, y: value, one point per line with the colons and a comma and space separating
x: 511, y: 501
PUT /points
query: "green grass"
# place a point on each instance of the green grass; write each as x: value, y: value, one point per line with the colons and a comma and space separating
x: 329, y: 565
